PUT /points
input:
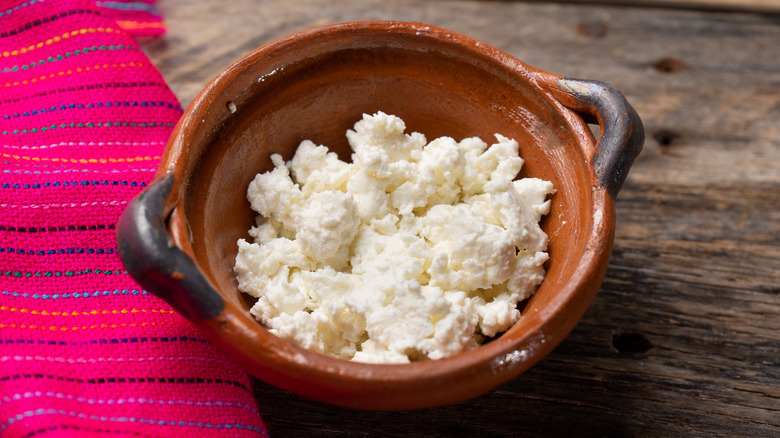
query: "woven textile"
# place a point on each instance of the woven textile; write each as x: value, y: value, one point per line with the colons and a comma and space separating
x: 84, y: 351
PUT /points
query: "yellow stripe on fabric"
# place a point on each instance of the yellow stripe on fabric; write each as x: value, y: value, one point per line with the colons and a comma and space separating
x: 56, y: 39
x: 134, y: 25
x: 71, y: 71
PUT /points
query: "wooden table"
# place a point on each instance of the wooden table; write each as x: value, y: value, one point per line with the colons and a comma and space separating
x: 684, y: 336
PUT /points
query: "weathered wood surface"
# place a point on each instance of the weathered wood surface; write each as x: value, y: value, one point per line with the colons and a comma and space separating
x: 771, y: 6
x: 684, y: 337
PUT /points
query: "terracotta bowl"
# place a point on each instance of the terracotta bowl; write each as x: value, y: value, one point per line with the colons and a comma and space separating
x: 178, y: 238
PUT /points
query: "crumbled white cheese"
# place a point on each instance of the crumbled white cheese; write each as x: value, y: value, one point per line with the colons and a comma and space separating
x: 411, y: 251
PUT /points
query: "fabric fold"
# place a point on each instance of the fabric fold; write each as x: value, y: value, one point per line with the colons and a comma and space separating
x: 84, y: 351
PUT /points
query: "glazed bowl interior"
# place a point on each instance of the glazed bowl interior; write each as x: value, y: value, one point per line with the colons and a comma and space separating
x: 316, y: 86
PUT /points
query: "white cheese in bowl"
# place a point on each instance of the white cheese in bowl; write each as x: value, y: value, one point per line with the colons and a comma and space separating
x: 410, y: 251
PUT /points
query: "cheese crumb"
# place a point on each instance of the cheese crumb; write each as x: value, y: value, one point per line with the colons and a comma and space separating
x: 412, y: 251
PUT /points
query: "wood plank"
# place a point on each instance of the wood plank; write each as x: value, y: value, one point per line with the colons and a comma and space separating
x: 708, y: 5
x: 682, y: 338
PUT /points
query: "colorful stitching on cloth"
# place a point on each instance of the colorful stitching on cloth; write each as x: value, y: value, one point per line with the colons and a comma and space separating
x: 84, y: 350
x: 45, y: 20
x: 104, y: 341
x: 120, y: 401
x: 70, y: 106
x: 73, y: 295
x: 151, y: 421
x: 139, y: 18
x: 71, y: 89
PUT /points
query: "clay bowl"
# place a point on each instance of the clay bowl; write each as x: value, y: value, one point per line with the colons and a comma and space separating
x: 178, y: 238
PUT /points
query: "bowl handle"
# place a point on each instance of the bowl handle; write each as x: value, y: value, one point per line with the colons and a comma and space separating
x: 147, y: 251
x: 622, y: 133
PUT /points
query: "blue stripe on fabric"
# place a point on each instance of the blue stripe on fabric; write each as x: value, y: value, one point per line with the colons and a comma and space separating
x: 59, y: 274
x: 104, y: 182
x: 21, y: 6
x: 39, y: 296
x: 114, y: 104
x: 89, y: 125
x: 134, y: 6
x: 128, y: 400
x: 22, y: 251
x: 67, y: 55
x: 150, y: 421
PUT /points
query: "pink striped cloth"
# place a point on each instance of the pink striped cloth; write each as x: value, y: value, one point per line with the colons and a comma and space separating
x: 84, y: 351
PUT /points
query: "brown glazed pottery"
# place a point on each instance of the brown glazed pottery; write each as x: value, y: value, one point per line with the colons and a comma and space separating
x: 178, y: 238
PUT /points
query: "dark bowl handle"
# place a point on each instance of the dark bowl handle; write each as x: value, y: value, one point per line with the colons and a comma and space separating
x: 147, y: 251
x: 622, y: 133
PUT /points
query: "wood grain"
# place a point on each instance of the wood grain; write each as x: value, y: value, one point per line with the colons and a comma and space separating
x: 683, y: 337
x: 765, y: 6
